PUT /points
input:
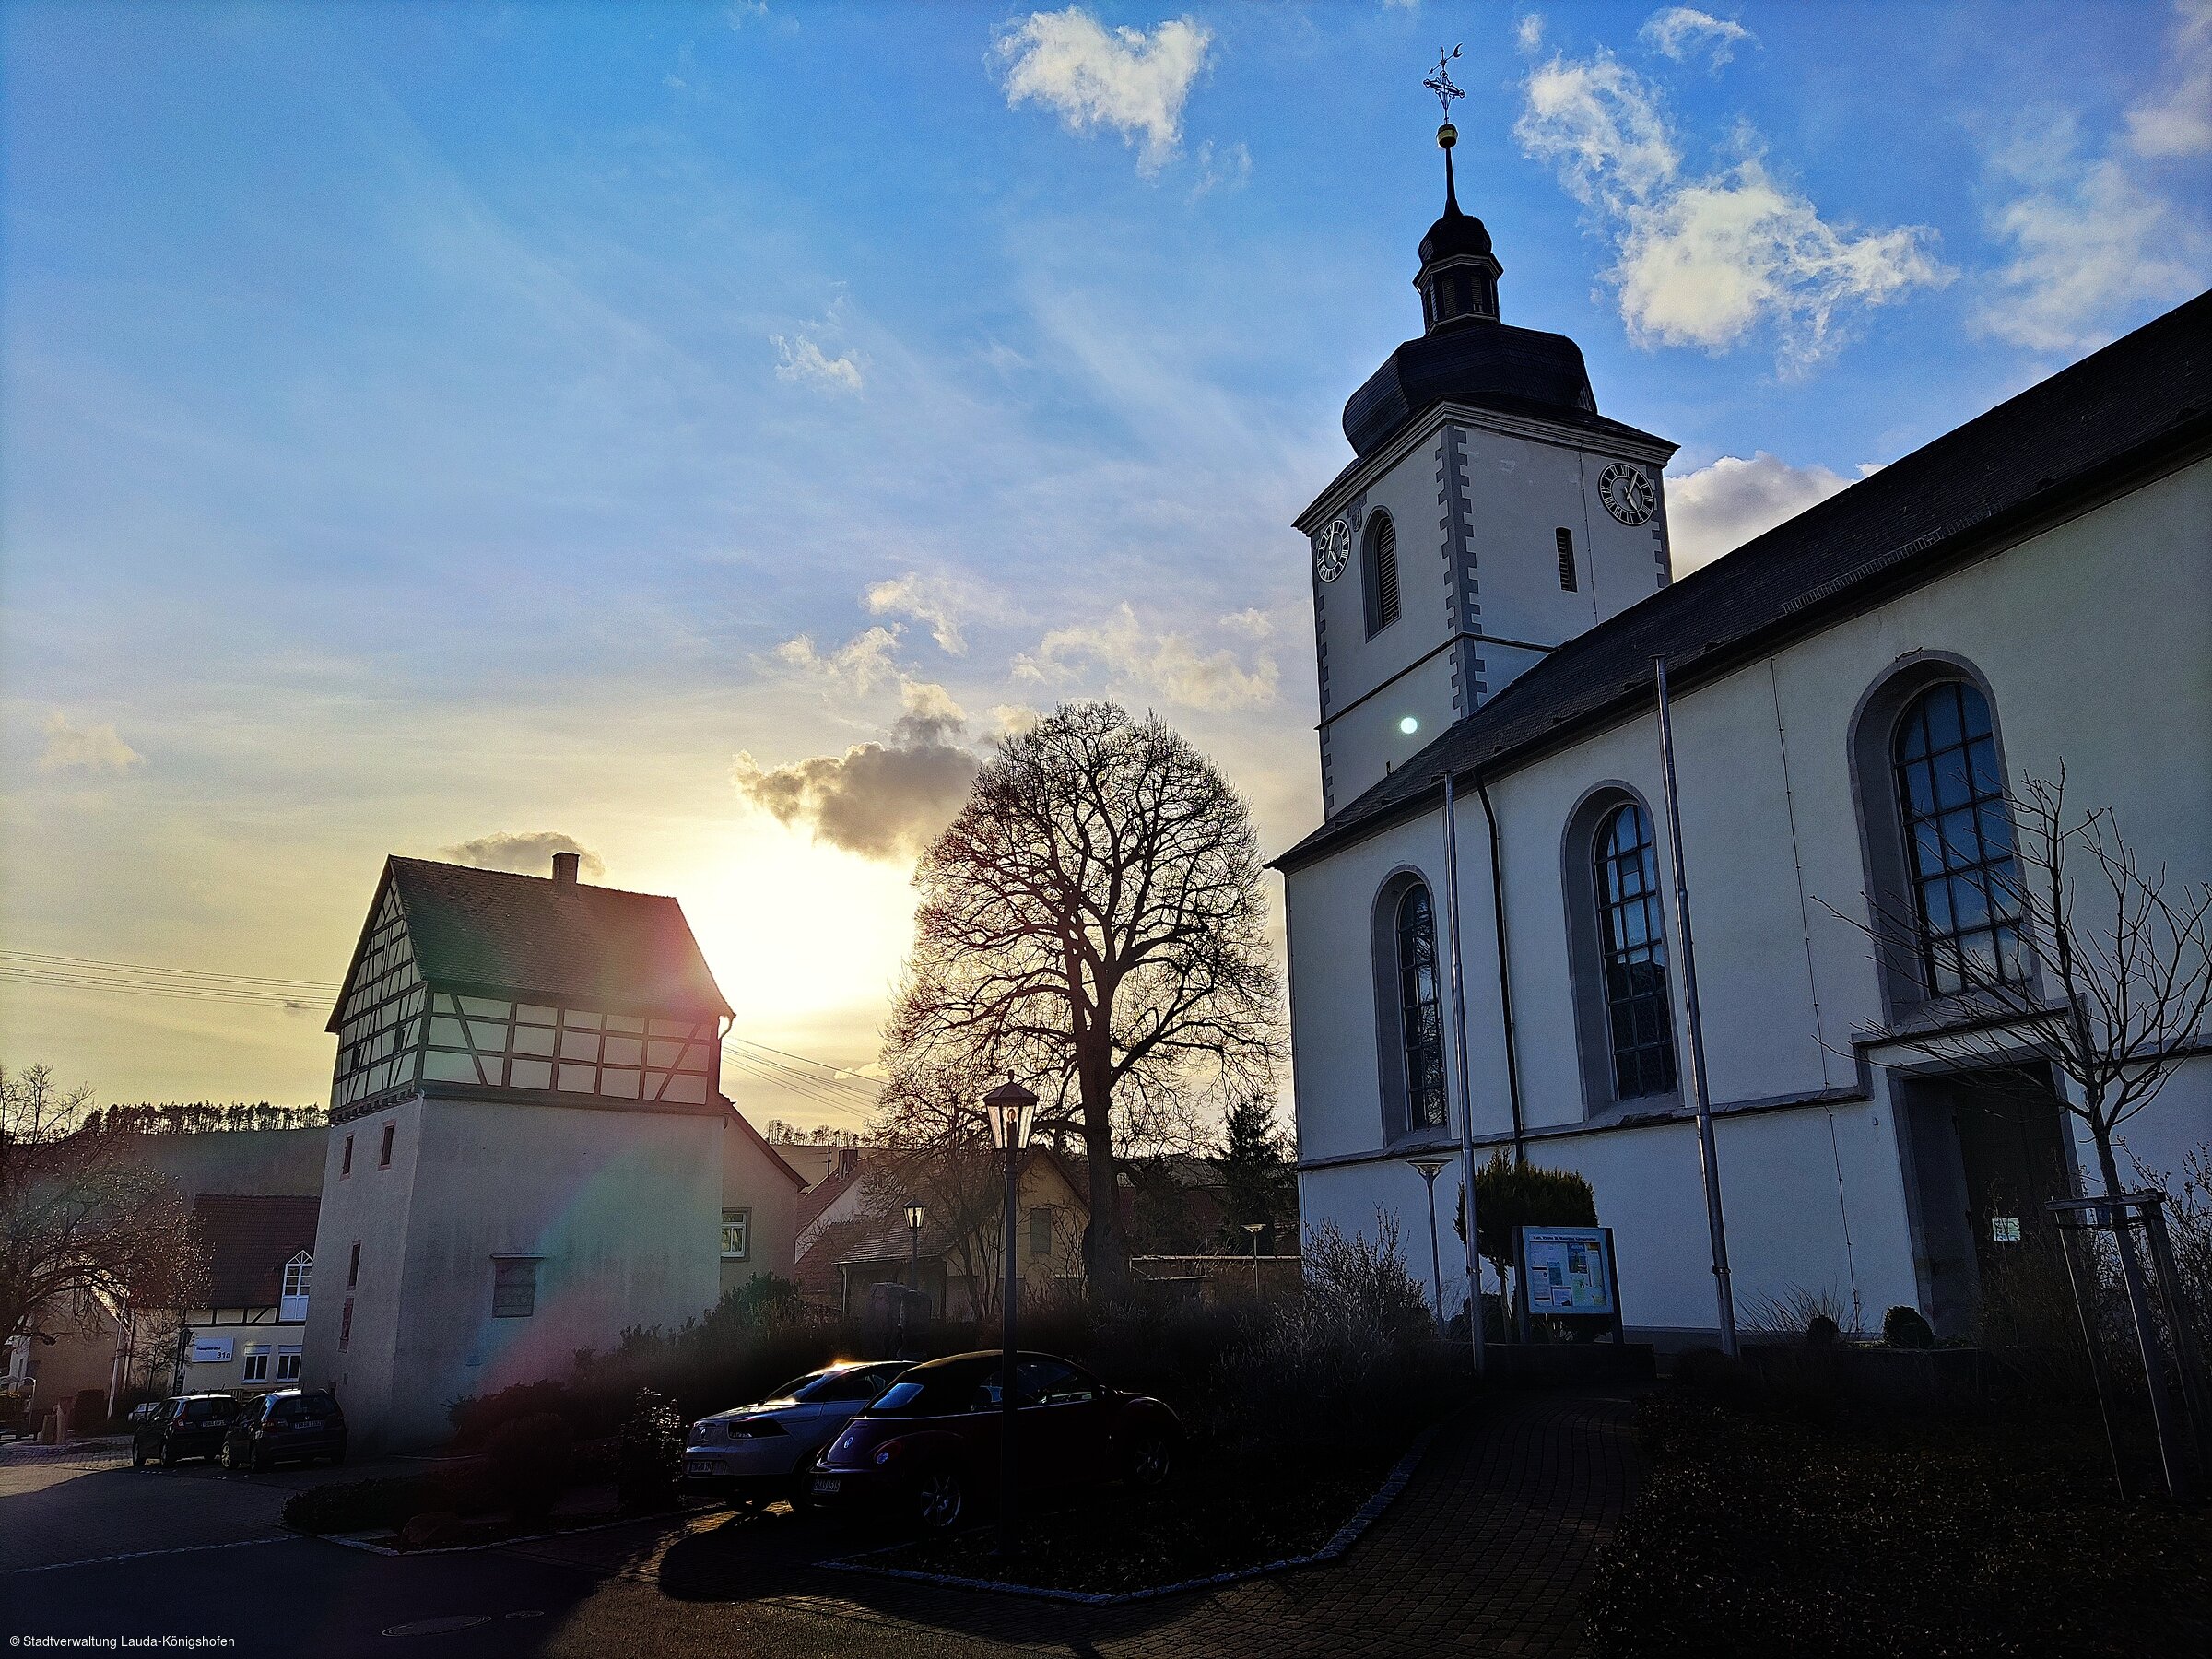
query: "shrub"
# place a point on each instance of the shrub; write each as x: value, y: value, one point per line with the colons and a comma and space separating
x: 1510, y: 1196
x: 348, y: 1506
x: 529, y: 1463
x: 650, y: 1455
x: 1821, y: 1331
x: 1902, y: 1327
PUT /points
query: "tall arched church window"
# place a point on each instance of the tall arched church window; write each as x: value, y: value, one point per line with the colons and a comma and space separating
x: 1421, y: 1011
x: 1379, y: 573
x: 1959, y: 841
x: 1632, y: 943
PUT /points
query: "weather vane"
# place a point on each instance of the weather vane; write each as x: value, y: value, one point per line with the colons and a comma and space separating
x: 1439, y: 82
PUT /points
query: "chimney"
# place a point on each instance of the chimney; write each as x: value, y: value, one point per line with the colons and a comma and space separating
x: 564, y: 868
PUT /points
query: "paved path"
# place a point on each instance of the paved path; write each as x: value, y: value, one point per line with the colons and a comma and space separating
x: 1484, y: 1553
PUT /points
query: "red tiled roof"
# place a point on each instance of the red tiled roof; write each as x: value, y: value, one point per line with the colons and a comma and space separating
x: 248, y: 1239
x: 823, y: 1194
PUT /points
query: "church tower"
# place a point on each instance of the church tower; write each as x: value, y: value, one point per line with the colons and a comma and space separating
x: 1489, y: 514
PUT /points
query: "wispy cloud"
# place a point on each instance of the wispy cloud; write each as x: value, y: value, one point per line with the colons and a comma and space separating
x: 1707, y: 260
x: 1126, y: 653
x: 2098, y: 238
x: 1682, y: 32
x: 1717, y: 508
x: 90, y: 749
x: 803, y: 362
x: 1129, y: 79
x: 1227, y: 168
x: 868, y: 660
x: 528, y: 854
x: 931, y: 599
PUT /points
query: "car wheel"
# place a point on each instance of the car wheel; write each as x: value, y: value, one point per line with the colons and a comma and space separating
x: 137, y: 1455
x: 168, y: 1455
x: 1151, y: 1460
x: 938, y: 1500
x: 259, y: 1460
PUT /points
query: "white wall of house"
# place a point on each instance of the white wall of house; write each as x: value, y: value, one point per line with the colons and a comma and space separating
x: 2095, y: 639
x: 754, y: 1186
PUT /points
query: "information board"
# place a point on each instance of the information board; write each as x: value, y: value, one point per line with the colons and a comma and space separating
x: 1566, y: 1270
x: 211, y: 1350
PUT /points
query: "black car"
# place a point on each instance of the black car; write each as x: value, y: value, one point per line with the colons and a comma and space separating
x: 188, y: 1426
x: 290, y: 1423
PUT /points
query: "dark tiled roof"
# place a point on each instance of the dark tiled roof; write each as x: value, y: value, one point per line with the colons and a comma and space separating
x: 248, y: 1240
x: 825, y: 1192
x: 531, y: 933
x: 2141, y: 398
x: 1490, y: 365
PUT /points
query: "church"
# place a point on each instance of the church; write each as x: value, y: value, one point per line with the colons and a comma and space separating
x: 529, y: 1148
x: 1850, y: 694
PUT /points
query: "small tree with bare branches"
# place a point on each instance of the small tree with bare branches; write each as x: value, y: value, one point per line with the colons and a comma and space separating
x: 78, y: 1220
x: 1093, y: 921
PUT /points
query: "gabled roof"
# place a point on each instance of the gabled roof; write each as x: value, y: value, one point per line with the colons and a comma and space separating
x: 531, y: 934
x: 765, y: 1145
x: 248, y: 1239
x: 2143, y: 401
x: 826, y: 1192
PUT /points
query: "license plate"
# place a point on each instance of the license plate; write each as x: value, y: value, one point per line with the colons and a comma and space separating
x: 825, y: 1487
x: 310, y: 1423
x: 699, y: 1466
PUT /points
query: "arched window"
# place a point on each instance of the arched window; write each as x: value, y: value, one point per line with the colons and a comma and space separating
x: 1379, y: 573
x: 1640, y: 1020
x: 1958, y: 841
x: 296, y: 1274
x: 1421, y: 1014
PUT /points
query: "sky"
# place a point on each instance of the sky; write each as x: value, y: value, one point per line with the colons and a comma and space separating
x: 688, y: 435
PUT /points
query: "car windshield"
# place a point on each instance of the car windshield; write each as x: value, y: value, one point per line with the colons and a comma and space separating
x: 846, y: 1383
x: 204, y: 1411
x: 292, y: 1407
x: 932, y: 1390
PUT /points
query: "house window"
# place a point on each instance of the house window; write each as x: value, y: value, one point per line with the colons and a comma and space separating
x: 1040, y: 1232
x: 287, y: 1365
x: 353, y: 1266
x: 513, y: 1288
x: 1632, y: 944
x: 1379, y: 573
x: 1419, y: 1010
x: 346, y: 1325
x: 1566, y: 543
x: 293, y: 1307
x: 736, y: 1235
x: 257, y: 1365
x: 384, y: 1156
x: 345, y: 1160
x: 1965, y: 885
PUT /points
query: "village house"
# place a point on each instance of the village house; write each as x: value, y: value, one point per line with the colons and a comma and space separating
x: 529, y: 1148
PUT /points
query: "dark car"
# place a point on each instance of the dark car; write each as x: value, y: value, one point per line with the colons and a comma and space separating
x: 927, y: 1451
x: 291, y: 1423
x: 186, y: 1426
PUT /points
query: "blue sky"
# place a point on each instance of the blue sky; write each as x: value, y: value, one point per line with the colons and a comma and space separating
x: 691, y: 431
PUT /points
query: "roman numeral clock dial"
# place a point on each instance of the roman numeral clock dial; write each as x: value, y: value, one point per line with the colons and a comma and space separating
x: 1628, y: 494
x: 1332, y: 549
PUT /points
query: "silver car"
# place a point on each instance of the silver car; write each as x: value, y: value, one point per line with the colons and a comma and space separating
x: 758, y: 1452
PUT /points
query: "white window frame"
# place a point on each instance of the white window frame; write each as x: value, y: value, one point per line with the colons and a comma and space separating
x: 737, y: 1221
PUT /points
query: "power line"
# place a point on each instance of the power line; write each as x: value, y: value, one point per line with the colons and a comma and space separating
x: 787, y: 1055
x: 40, y: 958
x: 870, y: 1095
x: 257, y: 999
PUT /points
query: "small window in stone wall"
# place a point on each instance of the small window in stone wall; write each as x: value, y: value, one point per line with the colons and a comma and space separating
x: 736, y: 1235
x: 513, y: 1289
x: 1565, y: 538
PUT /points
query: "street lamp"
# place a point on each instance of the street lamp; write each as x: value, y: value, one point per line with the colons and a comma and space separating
x: 1428, y: 1167
x: 1010, y: 1108
x: 1255, y: 1228
x: 913, y: 1270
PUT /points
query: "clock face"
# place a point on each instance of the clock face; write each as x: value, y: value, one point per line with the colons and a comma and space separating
x: 1332, y: 549
x: 1628, y: 494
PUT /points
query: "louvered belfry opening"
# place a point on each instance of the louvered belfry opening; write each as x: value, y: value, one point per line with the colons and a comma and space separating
x: 1380, y: 574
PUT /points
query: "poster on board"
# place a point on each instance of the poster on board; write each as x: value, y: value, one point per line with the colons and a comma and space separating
x: 1566, y: 1270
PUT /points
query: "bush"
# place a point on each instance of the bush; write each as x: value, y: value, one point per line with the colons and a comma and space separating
x: 1902, y: 1327
x: 530, y: 1462
x: 1510, y: 1196
x: 650, y: 1456
x: 350, y: 1506
x: 1821, y: 1331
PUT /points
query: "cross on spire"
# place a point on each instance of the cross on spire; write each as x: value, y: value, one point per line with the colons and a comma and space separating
x: 1440, y: 83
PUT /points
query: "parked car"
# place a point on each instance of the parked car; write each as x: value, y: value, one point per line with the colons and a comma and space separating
x: 287, y: 1423
x: 765, y: 1450
x: 181, y: 1427
x: 927, y: 1451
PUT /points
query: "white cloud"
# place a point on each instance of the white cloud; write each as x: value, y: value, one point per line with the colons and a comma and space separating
x: 1706, y: 261
x: 859, y: 666
x: 805, y: 363
x: 1124, y: 78
x: 885, y: 800
x: 2098, y: 239
x: 930, y: 599
x: 1528, y: 33
x: 1719, y: 508
x: 93, y: 748
x: 529, y: 853
x: 1169, y: 665
x: 1681, y: 31
x: 2177, y: 118
x: 1230, y: 167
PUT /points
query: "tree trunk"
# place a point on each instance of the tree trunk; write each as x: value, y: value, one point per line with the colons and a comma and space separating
x: 1105, y: 1251
x: 2147, y: 1331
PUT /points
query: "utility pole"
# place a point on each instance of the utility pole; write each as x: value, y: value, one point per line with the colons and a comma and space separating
x: 1466, y: 1093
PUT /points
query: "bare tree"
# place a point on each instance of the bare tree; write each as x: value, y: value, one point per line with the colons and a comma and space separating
x: 2109, y: 987
x: 1093, y: 920
x: 933, y: 1150
x: 78, y: 1220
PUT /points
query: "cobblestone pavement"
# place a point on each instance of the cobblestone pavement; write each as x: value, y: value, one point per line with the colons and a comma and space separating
x: 1486, y: 1552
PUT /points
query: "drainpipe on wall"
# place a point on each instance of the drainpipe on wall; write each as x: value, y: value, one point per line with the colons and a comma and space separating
x: 1505, y: 977
x: 1466, y: 1095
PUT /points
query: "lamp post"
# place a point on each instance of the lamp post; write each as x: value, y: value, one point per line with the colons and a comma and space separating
x: 1010, y: 1108
x: 1429, y: 1168
x: 1255, y: 1228
x: 913, y: 1271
